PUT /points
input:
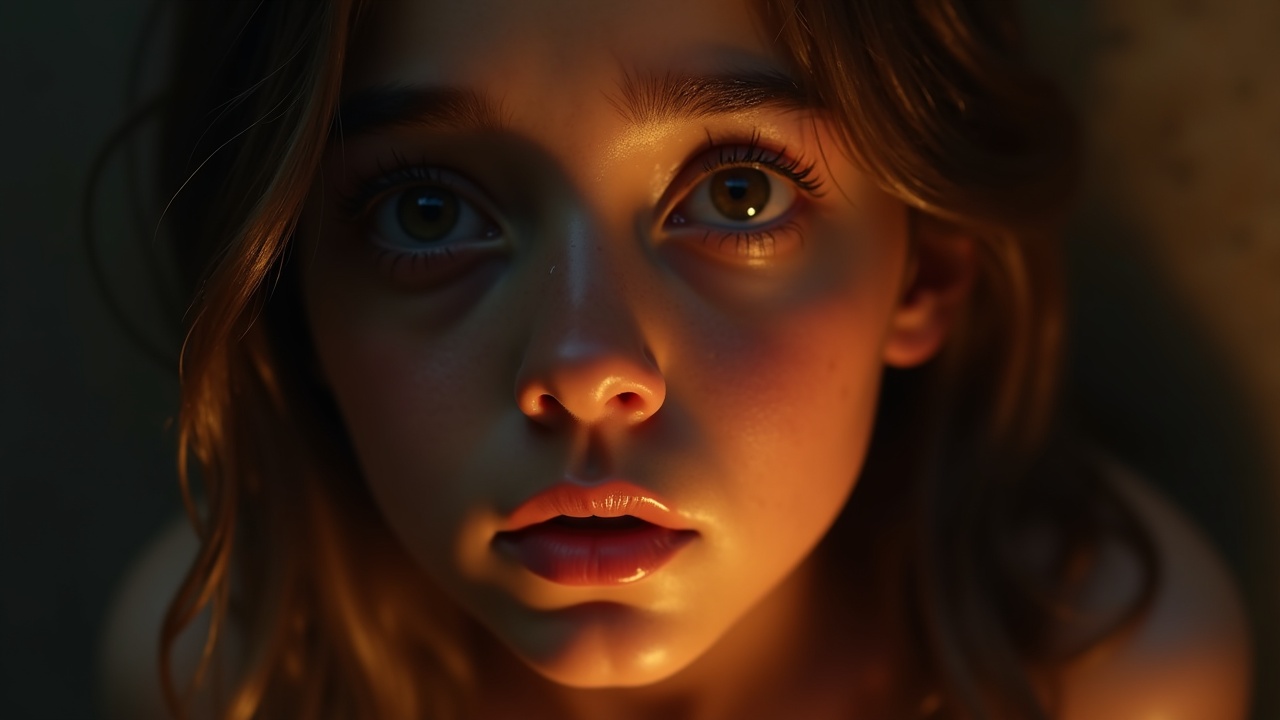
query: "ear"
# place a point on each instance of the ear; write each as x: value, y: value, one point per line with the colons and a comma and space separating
x: 939, y: 277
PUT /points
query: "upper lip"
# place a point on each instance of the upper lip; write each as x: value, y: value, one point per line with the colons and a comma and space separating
x: 612, y: 498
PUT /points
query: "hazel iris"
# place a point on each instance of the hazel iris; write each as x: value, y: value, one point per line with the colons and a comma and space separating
x: 739, y: 193
x: 427, y: 214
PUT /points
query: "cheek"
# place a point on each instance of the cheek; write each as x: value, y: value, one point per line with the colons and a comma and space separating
x: 419, y: 405
x: 798, y: 382
x: 786, y: 397
x: 784, y: 405
x: 788, y: 417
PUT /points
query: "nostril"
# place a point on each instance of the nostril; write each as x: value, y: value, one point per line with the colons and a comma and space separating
x: 548, y: 407
x: 627, y: 402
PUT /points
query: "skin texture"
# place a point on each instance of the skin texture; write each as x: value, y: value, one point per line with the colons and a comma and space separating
x: 579, y: 332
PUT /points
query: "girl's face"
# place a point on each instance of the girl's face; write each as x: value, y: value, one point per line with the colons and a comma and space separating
x: 600, y: 247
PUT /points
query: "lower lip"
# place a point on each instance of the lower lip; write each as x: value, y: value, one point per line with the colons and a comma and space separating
x: 584, y: 557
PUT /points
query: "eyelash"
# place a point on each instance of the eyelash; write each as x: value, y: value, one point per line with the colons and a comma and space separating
x: 404, y: 173
x: 756, y: 243
x: 796, y: 169
x: 356, y: 205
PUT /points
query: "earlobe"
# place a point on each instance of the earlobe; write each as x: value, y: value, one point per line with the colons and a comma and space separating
x: 939, y: 278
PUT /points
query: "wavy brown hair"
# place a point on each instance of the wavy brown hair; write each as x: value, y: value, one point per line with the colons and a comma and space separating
x: 936, y: 101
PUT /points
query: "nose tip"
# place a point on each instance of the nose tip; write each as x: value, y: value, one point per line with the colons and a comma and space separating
x: 592, y: 388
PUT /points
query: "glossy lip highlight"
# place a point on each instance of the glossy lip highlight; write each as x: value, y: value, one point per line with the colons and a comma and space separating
x: 592, y: 554
x: 609, y: 499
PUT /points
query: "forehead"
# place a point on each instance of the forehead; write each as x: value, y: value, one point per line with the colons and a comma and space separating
x: 529, y: 49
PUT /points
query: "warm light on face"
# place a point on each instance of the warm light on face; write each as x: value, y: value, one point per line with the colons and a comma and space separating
x: 563, y: 294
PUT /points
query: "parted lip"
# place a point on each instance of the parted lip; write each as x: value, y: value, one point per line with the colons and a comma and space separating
x: 609, y: 499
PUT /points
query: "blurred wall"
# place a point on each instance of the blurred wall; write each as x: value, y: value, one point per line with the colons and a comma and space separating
x: 1175, y: 255
x: 86, y: 468
x: 1176, y: 261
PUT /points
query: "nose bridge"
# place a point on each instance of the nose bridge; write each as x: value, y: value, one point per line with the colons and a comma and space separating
x: 591, y: 298
x: 587, y: 355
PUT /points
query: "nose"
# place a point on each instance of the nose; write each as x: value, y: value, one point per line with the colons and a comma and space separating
x: 587, y: 360
x: 591, y: 384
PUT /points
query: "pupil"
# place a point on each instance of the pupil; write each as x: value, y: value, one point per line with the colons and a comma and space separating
x: 740, y: 194
x: 431, y: 208
x: 428, y: 214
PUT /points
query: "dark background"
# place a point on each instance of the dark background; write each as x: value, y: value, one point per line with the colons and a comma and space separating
x: 1175, y: 263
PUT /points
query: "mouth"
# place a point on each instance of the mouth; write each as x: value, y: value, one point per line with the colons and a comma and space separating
x: 609, y: 534
x: 597, y: 524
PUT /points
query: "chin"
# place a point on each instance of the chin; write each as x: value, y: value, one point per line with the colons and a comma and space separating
x: 595, y: 668
x: 609, y: 646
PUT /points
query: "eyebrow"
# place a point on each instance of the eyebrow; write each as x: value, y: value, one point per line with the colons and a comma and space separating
x: 641, y: 98
x: 654, y: 98
x: 383, y: 107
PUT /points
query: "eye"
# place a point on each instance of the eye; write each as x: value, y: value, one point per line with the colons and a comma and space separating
x: 745, y: 203
x: 427, y: 214
x: 736, y: 198
x: 425, y: 217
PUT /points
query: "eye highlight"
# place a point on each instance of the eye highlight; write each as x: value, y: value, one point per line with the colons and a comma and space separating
x: 421, y: 223
x: 739, y: 193
x: 418, y: 209
x: 738, y: 198
x: 745, y: 198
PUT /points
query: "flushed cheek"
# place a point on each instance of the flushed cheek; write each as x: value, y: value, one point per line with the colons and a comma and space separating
x: 806, y: 376
x: 786, y: 405
x: 788, y: 372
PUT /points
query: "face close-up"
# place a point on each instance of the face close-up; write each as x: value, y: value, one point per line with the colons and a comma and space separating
x: 582, y: 258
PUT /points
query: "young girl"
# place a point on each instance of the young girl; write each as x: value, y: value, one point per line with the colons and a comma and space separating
x: 594, y: 359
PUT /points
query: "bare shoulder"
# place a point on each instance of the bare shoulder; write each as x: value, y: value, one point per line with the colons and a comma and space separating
x: 1190, y: 658
x: 128, y: 653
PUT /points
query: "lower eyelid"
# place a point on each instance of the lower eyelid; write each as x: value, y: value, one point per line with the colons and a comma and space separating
x: 752, y: 246
x: 427, y: 268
